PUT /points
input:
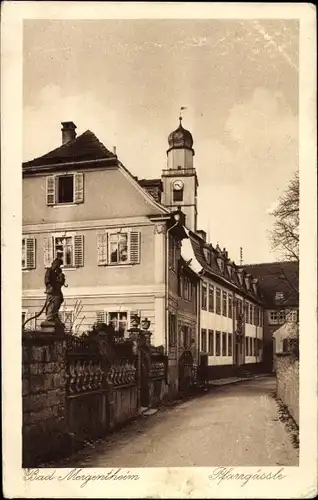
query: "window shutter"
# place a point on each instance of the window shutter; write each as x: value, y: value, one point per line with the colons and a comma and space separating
x: 30, y: 252
x: 102, y: 249
x: 78, y: 250
x: 135, y: 247
x: 50, y: 190
x: 78, y: 188
x: 48, y: 251
x: 100, y: 317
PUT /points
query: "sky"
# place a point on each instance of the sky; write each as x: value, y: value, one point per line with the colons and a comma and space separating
x: 125, y: 80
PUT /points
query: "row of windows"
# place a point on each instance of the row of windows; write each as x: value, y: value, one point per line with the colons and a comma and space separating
x: 252, y: 346
x: 216, y: 343
x: 119, y: 320
x: 279, y: 316
x: 221, y: 302
x: 185, y: 332
x: 221, y: 344
x: 121, y: 247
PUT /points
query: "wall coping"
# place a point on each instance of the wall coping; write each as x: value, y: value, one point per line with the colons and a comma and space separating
x: 41, y: 338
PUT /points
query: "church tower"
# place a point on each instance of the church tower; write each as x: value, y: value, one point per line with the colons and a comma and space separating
x: 179, y: 179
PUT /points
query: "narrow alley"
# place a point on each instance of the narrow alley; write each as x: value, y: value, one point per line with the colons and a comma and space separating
x: 233, y: 424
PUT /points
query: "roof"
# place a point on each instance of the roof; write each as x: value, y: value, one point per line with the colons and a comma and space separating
x: 281, y: 277
x: 85, y: 147
x: 153, y: 187
x: 210, y: 259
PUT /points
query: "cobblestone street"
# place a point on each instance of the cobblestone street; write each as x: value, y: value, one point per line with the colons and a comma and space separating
x: 234, y: 424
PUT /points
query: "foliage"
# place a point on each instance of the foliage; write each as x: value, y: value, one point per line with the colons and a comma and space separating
x: 285, y: 234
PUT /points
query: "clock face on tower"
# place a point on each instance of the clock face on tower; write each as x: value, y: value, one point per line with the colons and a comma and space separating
x: 178, y: 185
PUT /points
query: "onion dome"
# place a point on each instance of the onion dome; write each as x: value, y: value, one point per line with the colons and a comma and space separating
x: 180, y: 138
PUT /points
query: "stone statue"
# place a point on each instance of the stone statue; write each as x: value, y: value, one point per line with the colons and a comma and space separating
x: 54, y: 280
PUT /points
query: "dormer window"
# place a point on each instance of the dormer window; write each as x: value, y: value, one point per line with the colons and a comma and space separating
x: 247, y: 283
x: 220, y: 264
x: 229, y: 270
x: 207, y: 255
x: 279, y: 296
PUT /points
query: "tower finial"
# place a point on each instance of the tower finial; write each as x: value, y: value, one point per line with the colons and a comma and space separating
x: 241, y: 256
x: 180, y: 115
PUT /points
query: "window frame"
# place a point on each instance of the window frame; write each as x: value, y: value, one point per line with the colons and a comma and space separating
x: 230, y: 305
x: 217, y: 343
x: 203, y: 340
x: 218, y: 305
x: 211, y: 292
x: 52, y: 189
x: 109, y: 243
x: 224, y: 303
x: 230, y: 344
x: 204, y: 297
x: 276, y: 316
x: 224, y: 344
x: 211, y: 344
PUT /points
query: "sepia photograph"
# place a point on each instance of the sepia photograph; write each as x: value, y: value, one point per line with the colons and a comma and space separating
x: 160, y: 248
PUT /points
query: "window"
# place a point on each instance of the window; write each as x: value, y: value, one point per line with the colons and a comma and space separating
x: 220, y: 264
x: 218, y: 301
x: 224, y: 303
x: 229, y: 345
x: 186, y: 288
x: 172, y: 328
x: 178, y: 194
x: 251, y: 346
x: 276, y: 317
x: 256, y: 316
x: 292, y: 315
x: 230, y: 306
x: 251, y: 314
x: 211, y: 342
x: 279, y: 296
x: 68, y: 247
x: 254, y: 347
x: 247, y: 309
x: 247, y: 346
x: 63, y: 189
x: 224, y: 347
x: 203, y: 340
x: 186, y: 331
x: 118, y: 247
x: 67, y: 318
x: 218, y: 343
x: 204, y: 296
x: 118, y: 319
x: 28, y: 253
x: 207, y: 255
x: 211, y: 298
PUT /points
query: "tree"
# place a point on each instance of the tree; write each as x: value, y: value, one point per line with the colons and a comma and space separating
x: 285, y: 233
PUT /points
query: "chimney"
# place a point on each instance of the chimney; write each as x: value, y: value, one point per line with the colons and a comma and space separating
x: 68, y: 132
x: 202, y: 234
x: 114, y: 150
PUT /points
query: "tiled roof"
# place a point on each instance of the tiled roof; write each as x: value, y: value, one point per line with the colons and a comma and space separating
x: 279, y: 282
x: 210, y: 265
x: 85, y: 147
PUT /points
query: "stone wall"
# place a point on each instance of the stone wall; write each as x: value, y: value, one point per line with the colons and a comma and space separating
x: 287, y: 382
x: 43, y: 393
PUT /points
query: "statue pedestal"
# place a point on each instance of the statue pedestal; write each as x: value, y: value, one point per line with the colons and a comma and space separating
x: 55, y: 327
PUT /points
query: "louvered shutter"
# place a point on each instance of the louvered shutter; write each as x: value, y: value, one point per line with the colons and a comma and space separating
x: 30, y: 252
x: 78, y: 188
x: 134, y: 247
x: 48, y: 251
x: 102, y: 249
x: 78, y: 250
x: 100, y: 317
x: 50, y: 190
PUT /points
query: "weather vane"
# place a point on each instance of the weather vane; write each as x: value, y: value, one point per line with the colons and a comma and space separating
x: 183, y: 108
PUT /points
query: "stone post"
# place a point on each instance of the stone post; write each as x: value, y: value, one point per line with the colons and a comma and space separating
x: 44, y: 397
